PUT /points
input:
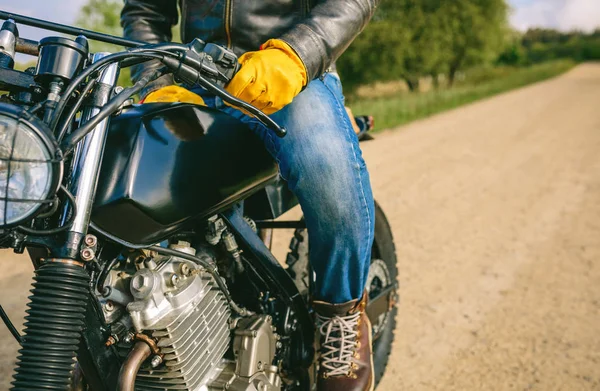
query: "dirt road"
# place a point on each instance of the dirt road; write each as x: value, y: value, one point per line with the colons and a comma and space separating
x: 495, y: 209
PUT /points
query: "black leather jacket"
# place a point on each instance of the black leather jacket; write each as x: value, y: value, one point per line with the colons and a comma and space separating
x: 318, y: 30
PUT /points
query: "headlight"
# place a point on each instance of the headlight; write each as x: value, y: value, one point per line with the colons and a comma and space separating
x: 30, y: 165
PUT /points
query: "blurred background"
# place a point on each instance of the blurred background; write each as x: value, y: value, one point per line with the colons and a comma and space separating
x: 417, y: 57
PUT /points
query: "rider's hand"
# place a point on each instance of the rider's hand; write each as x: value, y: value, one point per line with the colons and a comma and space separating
x: 173, y: 94
x: 270, y: 78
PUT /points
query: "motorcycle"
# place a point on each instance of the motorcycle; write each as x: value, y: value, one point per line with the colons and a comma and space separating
x: 150, y: 226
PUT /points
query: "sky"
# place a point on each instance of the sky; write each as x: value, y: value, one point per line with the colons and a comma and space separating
x: 560, y: 14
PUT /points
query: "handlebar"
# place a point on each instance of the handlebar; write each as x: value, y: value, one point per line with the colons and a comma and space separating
x: 27, y: 46
x: 193, y: 66
x: 70, y: 30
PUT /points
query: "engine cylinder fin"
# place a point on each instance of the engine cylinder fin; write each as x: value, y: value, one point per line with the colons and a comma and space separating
x: 53, y: 328
x: 193, y: 343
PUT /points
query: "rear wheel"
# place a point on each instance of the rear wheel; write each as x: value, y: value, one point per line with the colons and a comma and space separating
x: 383, y: 273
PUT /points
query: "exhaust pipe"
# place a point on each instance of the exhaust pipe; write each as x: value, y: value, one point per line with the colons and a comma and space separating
x: 140, y: 352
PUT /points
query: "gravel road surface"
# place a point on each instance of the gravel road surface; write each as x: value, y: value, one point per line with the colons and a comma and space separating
x: 495, y: 209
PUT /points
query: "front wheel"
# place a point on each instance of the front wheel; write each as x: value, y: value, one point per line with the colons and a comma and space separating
x: 383, y: 274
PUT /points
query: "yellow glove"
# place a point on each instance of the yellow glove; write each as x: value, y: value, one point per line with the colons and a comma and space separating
x: 174, y: 94
x: 270, y: 78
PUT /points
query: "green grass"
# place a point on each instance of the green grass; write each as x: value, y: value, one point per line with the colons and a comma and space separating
x: 405, y: 107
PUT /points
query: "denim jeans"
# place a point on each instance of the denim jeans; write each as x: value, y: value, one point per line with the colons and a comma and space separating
x: 322, y: 163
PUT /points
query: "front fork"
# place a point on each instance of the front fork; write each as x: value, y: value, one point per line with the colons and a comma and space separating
x: 86, y: 164
x: 56, y: 312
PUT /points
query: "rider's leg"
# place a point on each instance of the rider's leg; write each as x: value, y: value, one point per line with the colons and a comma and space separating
x: 323, y: 165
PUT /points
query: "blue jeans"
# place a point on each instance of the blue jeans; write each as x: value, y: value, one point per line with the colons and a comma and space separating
x: 322, y: 163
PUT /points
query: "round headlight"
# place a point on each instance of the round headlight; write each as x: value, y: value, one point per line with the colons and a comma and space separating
x: 30, y: 165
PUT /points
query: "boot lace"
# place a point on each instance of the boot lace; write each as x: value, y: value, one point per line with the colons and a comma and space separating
x: 340, y: 342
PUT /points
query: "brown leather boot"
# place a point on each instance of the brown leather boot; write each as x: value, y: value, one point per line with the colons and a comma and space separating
x: 346, y: 359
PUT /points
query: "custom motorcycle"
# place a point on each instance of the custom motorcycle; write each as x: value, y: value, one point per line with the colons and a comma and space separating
x: 150, y: 226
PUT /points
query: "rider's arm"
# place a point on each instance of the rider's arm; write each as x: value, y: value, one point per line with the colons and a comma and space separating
x: 149, y: 21
x: 327, y: 31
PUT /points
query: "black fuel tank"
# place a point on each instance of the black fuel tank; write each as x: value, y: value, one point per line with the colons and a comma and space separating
x: 166, y: 163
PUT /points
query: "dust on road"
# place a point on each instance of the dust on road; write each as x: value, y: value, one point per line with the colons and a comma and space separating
x: 495, y: 209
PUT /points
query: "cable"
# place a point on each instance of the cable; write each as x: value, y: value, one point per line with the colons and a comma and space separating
x: 34, y: 109
x: 87, y: 72
x: 107, y: 110
x: 52, y: 231
x: 159, y: 47
x: 115, y: 239
x: 10, y: 326
x: 62, y: 130
x: 104, y: 273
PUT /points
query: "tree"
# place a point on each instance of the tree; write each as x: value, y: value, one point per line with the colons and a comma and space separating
x: 410, y: 39
x: 376, y: 55
x: 102, y: 16
x: 475, y: 31
x: 426, y: 52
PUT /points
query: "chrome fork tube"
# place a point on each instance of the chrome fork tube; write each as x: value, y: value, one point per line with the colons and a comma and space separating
x: 88, y: 157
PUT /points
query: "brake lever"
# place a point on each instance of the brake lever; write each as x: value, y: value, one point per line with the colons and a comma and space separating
x: 232, y: 100
x: 196, y: 70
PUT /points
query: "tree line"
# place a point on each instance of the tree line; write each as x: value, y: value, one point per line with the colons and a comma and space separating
x: 540, y: 45
x: 413, y: 39
x: 410, y: 39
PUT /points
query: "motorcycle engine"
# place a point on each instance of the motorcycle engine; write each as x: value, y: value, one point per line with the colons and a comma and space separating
x: 179, y: 305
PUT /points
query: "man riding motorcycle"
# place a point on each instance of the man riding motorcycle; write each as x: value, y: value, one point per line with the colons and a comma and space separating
x: 288, y: 49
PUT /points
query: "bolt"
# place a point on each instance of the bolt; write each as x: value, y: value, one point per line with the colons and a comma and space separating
x: 90, y: 240
x: 111, y: 341
x: 185, y: 269
x: 138, y: 283
x: 128, y: 338
x: 87, y: 254
x: 156, y: 361
x: 279, y: 345
x: 175, y: 280
x: 118, y: 89
x: 259, y: 366
x: 109, y: 306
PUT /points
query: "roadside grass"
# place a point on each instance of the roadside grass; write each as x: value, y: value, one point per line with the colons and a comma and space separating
x: 403, y: 107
